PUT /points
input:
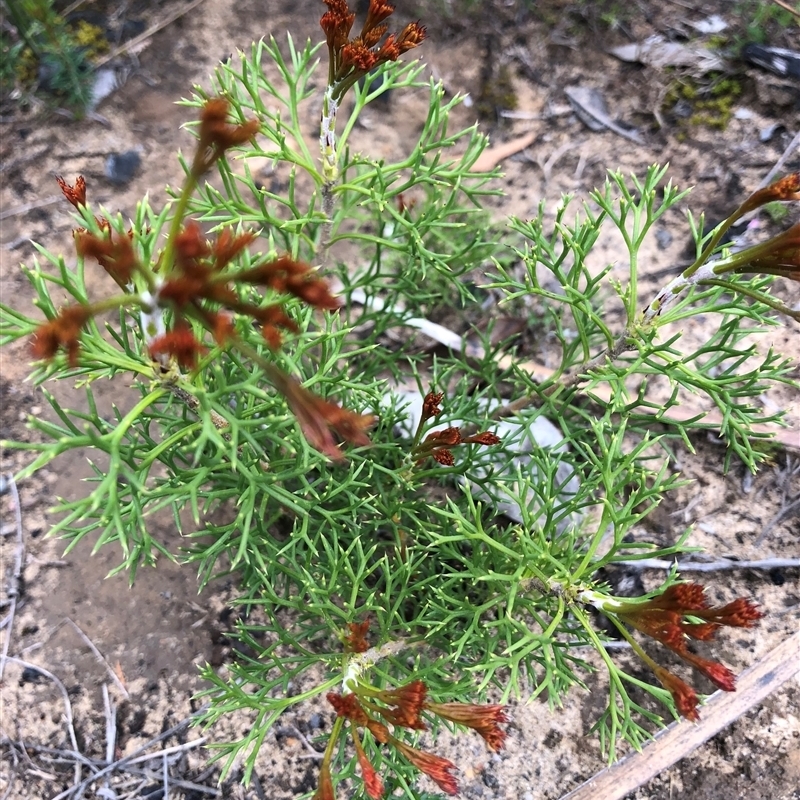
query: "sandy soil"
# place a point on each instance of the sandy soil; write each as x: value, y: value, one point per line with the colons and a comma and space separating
x: 154, y: 634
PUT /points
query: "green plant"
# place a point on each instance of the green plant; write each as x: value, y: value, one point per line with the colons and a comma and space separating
x: 48, y: 54
x: 759, y: 19
x: 397, y: 541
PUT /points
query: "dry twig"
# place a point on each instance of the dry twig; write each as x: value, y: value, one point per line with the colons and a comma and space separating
x: 122, y: 764
x: 710, y: 566
x: 131, y: 43
x: 12, y: 589
x: 97, y: 654
x: 67, y: 705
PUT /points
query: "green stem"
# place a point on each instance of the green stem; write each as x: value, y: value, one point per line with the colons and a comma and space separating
x: 168, y: 255
x: 337, y: 729
x: 757, y: 296
x: 125, y: 423
x: 596, y: 539
x: 711, y: 246
x: 637, y: 648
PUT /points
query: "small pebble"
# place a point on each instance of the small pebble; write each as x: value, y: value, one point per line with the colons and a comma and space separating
x: 121, y: 167
x: 765, y: 134
x: 490, y: 780
x: 663, y: 238
x: 315, y: 722
x: 132, y: 28
x: 683, y: 109
x: 31, y: 675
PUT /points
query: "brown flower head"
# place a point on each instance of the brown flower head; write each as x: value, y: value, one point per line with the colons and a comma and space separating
x: 285, y: 274
x: 349, y: 707
x: 218, y: 135
x: 318, y: 417
x: 378, y: 730
x: 435, y: 767
x: 356, y: 55
x: 486, y: 720
x: 191, y: 247
x: 180, y: 343
x: 684, y: 697
x: 741, y: 613
x: 222, y: 326
x: 75, y: 194
x: 114, y: 253
x: 372, y: 37
x: 785, y: 189
x: 717, y: 673
x: 379, y: 10
x: 228, y: 246
x: 372, y: 782
x: 63, y: 331
x: 337, y: 22
x: 405, y: 705
x: 413, y: 35
x: 431, y: 405
x: 355, y: 641
x: 273, y: 318
x: 486, y: 438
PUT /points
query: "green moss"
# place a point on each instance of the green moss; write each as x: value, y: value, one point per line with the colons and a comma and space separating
x: 26, y: 67
x: 712, y: 100
x: 91, y: 38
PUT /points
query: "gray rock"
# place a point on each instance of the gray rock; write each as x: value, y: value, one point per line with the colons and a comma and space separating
x: 121, y: 167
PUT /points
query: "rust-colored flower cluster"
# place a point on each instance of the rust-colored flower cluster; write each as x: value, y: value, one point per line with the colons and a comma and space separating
x: 682, y: 613
x: 376, y: 709
x: 194, y: 279
x: 112, y: 251
x: 438, y: 444
x: 352, y: 58
x: 783, y: 190
x: 63, y: 331
x: 198, y: 277
x: 218, y: 135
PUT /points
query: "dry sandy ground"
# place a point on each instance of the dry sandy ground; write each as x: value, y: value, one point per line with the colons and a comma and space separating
x: 153, y: 635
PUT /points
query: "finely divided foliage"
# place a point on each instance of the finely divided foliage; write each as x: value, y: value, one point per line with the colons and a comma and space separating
x: 257, y: 357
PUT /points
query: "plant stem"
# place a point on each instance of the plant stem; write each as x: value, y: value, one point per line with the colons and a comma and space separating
x: 168, y: 256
